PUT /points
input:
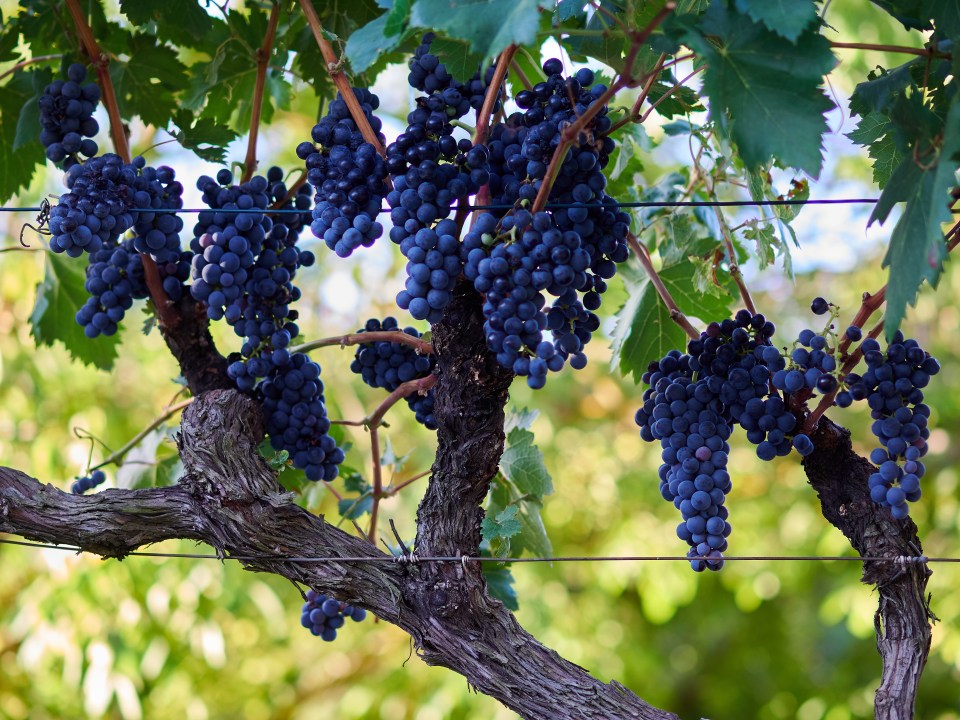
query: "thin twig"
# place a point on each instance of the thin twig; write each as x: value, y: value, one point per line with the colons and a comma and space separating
x: 117, y: 456
x: 24, y: 63
x: 263, y: 60
x: 377, y: 483
x: 930, y: 52
x: 493, y: 91
x: 678, y: 317
x: 393, y: 336
x: 520, y: 74
x: 670, y: 92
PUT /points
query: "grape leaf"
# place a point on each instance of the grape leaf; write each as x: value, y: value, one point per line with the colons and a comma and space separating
x: 917, y: 250
x: 370, y: 42
x: 533, y: 536
x: 522, y: 464
x: 59, y: 296
x: 456, y: 55
x: 788, y: 18
x: 909, y: 12
x: 875, y: 132
x: 204, y: 136
x: 29, y: 120
x: 146, y: 83
x: 764, y: 92
x: 500, y: 585
x: 644, y: 332
x: 504, y: 525
x: 946, y: 17
x: 677, y: 280
x: 519, y: 418
x: 181, y: 21
x: 488, y: 25
x: 355, y: 508
x: 18, y: 162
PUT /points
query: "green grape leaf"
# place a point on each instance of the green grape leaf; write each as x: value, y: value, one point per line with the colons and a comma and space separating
x: 207, y: 139
x: 681, y: 101
x: 29, y: 120
x: 521, y: 418
x: 763, y: 92
x: 788, y: 18
x: 146, y: 83
x: 19, y: 153
x: 59, y: 296
x: 946, y: 17
x: 644, y: 332
x: 522, y: 464
x: 461, y: 63
x: 533, y: 536
x: 690, y: 301
x: 183, y: 22
x: 875, y: 132
x: 368, y: 43
x: 488, y: 25
x: 909, y: 12
x: 917, y: 250
x: 355, y: 508
x: 500, y: 585
x: 504, y: 525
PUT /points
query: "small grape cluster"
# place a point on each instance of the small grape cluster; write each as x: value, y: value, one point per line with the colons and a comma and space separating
x: 892, y: 386
x: 88, y: 482
x: 96, y: 210
x: 812, y: 366
x: 428, y: 74
x: 387, y: 365
x: 66, y: 117
x: 349, y: 176
x: 323, y: 615
x: 115, y: 278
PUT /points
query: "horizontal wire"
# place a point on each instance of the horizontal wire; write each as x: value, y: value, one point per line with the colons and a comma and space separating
x: 632, y: 204
x: 414, y: 558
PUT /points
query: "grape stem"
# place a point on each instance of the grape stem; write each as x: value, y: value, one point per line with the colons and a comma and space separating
x: 870, y: 304
x: 923, y: 52
x: 263, y: 60
x: 678, y: 317
x: 734, y: 268
x: 377, y: 483
x: 395, y: 336
x: 489, y: 100
x: 335, y: 69
x: 117, y: 456
x: 520, y: 74
x: 625, y: 79
x: 668, y: 93
x: 24, y: 63
x: 634, y: 114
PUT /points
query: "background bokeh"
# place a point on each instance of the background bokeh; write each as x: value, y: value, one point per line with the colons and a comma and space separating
x: 199, y: 639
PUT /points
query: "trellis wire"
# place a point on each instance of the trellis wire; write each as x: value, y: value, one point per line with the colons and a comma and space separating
x: 413, y: 558
x: 631, y: 204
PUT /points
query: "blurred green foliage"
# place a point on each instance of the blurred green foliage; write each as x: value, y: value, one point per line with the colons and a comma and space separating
x: 199, y: 639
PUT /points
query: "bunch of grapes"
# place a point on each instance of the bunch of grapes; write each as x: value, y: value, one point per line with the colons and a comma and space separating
x: 88, y: 482
x: 323, y: 616
x: 115, y: 278
x: 349, y: 176
x: 892, y: 386
x: 812, y: 366
x: 387, y: 365
x: 428, y: 74
x: 97, y: 208
x: 66, y: 117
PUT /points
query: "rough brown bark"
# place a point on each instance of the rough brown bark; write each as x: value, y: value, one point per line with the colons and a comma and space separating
x: 903, y: 617
x: 190, y: 342
x: 229, y: 499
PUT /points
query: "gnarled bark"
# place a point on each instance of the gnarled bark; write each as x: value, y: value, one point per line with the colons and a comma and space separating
x: 840, y: 478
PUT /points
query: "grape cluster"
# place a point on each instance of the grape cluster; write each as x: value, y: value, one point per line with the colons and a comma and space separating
x: 387, y: 365
x: 349, y: 176
x: 88, y: 482
x: 569, y: 253
x: 226, y: 244
x: 428, y: 74
x: 66, y: 117
x: 323, y: 616
x: 96, y: 210
x: 293, y: 404
x: 691, y: 406
x: 892, y: 386
x: 115, y: 278
x: 812, y: 366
